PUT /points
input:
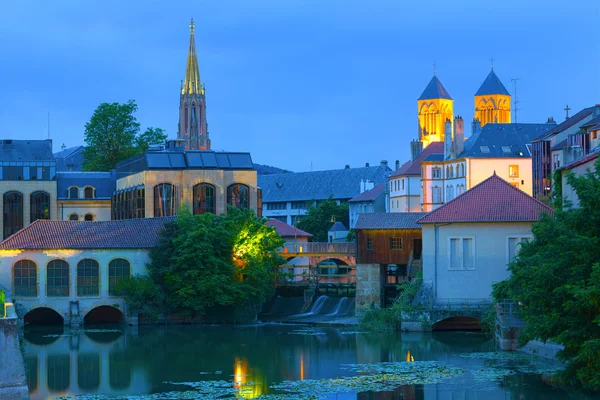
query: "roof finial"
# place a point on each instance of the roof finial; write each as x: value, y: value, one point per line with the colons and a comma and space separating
x: 192, y: 25
x: 567, y: 109
x: 492, y: 60
x: 434, y: 68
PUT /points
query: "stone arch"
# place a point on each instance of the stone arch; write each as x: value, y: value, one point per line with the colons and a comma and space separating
x: 104, y: 314
x: 457, y: 323
x: 43, y: 315
x: 346, y: 260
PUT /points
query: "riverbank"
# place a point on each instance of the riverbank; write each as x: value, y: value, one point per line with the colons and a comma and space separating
x: 13, y: 381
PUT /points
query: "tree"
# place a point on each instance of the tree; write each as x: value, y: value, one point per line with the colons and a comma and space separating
x: 556, y: 278
x: 319, y: 218
x: 112, y: 135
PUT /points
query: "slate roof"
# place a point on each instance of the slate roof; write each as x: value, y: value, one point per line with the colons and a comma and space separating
x: 492, y: 85
x: 284, y: 230
x: 435, y: 90
x: 340, y: 184
x: 105, y: 183
x: 338, y: 227
x: 369, y: 195
x: 493, y: 200
x: 560, y: 145
x: 497, y: 136
x: 566, y: 124
x: 26, y: 150
x: 73, y: 156
x: 414, y: 167
x: 592, y: 123
x: 402, y: 220
x: 141, y: 233
x: 434, y: 157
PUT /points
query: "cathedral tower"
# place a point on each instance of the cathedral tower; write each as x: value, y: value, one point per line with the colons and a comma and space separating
x: 492, y: 101
x: 192, y: 103
x: 435, y: 108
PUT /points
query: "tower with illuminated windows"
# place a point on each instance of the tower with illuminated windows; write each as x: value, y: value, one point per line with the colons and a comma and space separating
x: 492, y: 101
x: 435, y: 107
x: 193, y: 128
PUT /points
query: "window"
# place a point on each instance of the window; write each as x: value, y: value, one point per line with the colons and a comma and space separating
x: 118, y: 269
x: 449, y: 193
x: 594, y: 134
x: 39, y: 206
x: 281, y: 205
x: 436, y: 193
x: 57, y: 279
x: 528, y: 145
x: 129, y: 203
x: 73, y: 217
x: 73, y: 192
x: 299, y: 205
x: 88, y: 217
x: 515, y: 184
x: 514, y: 245
x: 165, y: 200
x: 436, y: 173
x: 556, y: 160
x: 513, y: 171
x: 88, y: 192
x: 13, y: 213
x: 25, y: 278
x: 461, y: 253
x: 395, y: 243
x: 87, y: 278
x: 506, y: 149
x: 402, y: 184
x: 369, y: 243
x: 204, y: 198
x: 484, y: 149
x: 238, y: 196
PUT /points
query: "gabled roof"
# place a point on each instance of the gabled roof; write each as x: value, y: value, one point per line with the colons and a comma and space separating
x: 414, y: 167
x: 340, y: 184
x: 338, y: 226
x: 369, y: 195
x: 592, y: 123
x: 26, y: 150
x: 492, y: 85
x: 402, y: 220
x: 588, y: 158
x: 566, y: 124
x: 435, y: 90
x: 71, y: 158
x: 493, y: 140
x: 141, y: 233
x: 493, y: 200
x: 284, y: 230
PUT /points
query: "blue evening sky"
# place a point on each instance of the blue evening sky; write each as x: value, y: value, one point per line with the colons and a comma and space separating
x: 294, y: 82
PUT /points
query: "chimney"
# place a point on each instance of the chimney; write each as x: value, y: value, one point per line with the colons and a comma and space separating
x: 384, y: 163
x: 447, y: 139
x: 397, y: 165
x: 369, y: 185
x: 458, y: 145
x: 362, y: 186
x: 347, y: 166
x: 475, y: 125
x: 551, y: 120
x: 416, y: 148
x: 366, y: 164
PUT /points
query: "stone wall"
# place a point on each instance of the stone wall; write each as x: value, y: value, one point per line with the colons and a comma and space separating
x: 13, y: 383
x: 368, y: 287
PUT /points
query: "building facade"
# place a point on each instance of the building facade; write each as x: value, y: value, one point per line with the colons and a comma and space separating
x: 85, y: 196
x: 492, y: 101
x: 371, y: 200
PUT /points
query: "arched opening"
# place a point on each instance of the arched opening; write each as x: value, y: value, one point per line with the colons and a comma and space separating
x: 43, y: 316
x: 457, y: 324
x: 104, y: 315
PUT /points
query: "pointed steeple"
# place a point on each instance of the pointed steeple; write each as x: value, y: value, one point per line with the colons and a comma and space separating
x: 435, y: 90
x: 192, y: 83
x: 492, y: 85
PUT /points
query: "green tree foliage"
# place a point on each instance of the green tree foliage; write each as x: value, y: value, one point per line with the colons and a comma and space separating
x: 112, y: 135
x: 556, y: 278
x: 143, y: 296
x: 319, y: 218
x: 207, y: 260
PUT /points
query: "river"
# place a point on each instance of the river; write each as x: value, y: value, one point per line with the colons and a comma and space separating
x: 247, y: 362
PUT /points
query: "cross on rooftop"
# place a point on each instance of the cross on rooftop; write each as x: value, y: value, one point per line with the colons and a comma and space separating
x: 567, y: 108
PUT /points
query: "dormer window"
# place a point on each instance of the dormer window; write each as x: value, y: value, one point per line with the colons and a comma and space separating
x: 73, y: 192
x: 506, y: 149
x: 485, y: 149
x: 89, y: 192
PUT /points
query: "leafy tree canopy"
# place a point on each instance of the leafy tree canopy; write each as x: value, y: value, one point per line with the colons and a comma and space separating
x: 556, y: 278
x: 319, y: 218
x: 112, y: 135
x: 207, y: 260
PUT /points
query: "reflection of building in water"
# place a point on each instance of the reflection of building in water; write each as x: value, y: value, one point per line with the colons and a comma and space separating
x: 250, y: 382
x: 75, y: 365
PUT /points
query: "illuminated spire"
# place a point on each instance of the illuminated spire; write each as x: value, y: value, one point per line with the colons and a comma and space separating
x: 192, y: 84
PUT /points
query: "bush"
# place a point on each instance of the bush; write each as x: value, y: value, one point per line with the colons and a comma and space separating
x: 379, y: 319
x: 2, y: 300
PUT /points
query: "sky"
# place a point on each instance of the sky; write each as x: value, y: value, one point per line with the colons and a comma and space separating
x: 300, y: 84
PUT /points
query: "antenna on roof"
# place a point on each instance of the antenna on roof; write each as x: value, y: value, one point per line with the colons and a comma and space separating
x: 516, y: 102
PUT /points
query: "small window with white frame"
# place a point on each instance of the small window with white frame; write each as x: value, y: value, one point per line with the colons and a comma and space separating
x: 513, y: 246
x: 436, y: 173
x: 461, y: 253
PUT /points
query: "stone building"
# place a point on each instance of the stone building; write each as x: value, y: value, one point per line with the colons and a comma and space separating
x: 85, y: 196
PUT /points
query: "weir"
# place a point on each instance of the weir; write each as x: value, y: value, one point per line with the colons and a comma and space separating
x: 324, y: 309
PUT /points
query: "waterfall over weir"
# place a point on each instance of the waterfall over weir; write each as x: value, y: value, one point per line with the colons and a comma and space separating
x: 323, y: 309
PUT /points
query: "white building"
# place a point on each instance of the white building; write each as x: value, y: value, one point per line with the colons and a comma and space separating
x: 468, y: 242
x: 579, y: 167
x: 371, y: 199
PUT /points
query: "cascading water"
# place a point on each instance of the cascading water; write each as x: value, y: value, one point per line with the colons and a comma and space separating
x: 326, y: 308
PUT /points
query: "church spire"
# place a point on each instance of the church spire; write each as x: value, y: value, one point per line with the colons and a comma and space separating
x: 192, y: 83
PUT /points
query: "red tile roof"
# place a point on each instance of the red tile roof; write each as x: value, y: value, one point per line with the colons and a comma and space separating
x: 369, y: 195
x: 286, y: 230
x: 141, y: 233
x: 493, y: 200
x: 414, y: 167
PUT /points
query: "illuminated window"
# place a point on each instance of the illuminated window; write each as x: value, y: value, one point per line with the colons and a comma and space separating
x: 13, y: 213
x: 165, y: 200
x: 88, y: 192
x: 369, y: 243
x: 73, y: 192
x: 39, y: 206
x: 87, y: 278
x: 118, y: 269
x: 513, y: 171
x: 73, y: 217
x: 395, y: 243
x: 25, y: 278
x: 238, y: 196
x: 57, y: 278
x: 204, y: 198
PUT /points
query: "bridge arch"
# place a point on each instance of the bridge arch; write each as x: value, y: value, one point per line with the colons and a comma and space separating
x: 457, y: 323
x: 340, y: 260
x: 43, y: 315
x: 104, y: 314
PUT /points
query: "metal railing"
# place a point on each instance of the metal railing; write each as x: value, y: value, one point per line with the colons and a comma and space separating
x: 508, y: 314
x: 466, y: 304
x: 318, y: 248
